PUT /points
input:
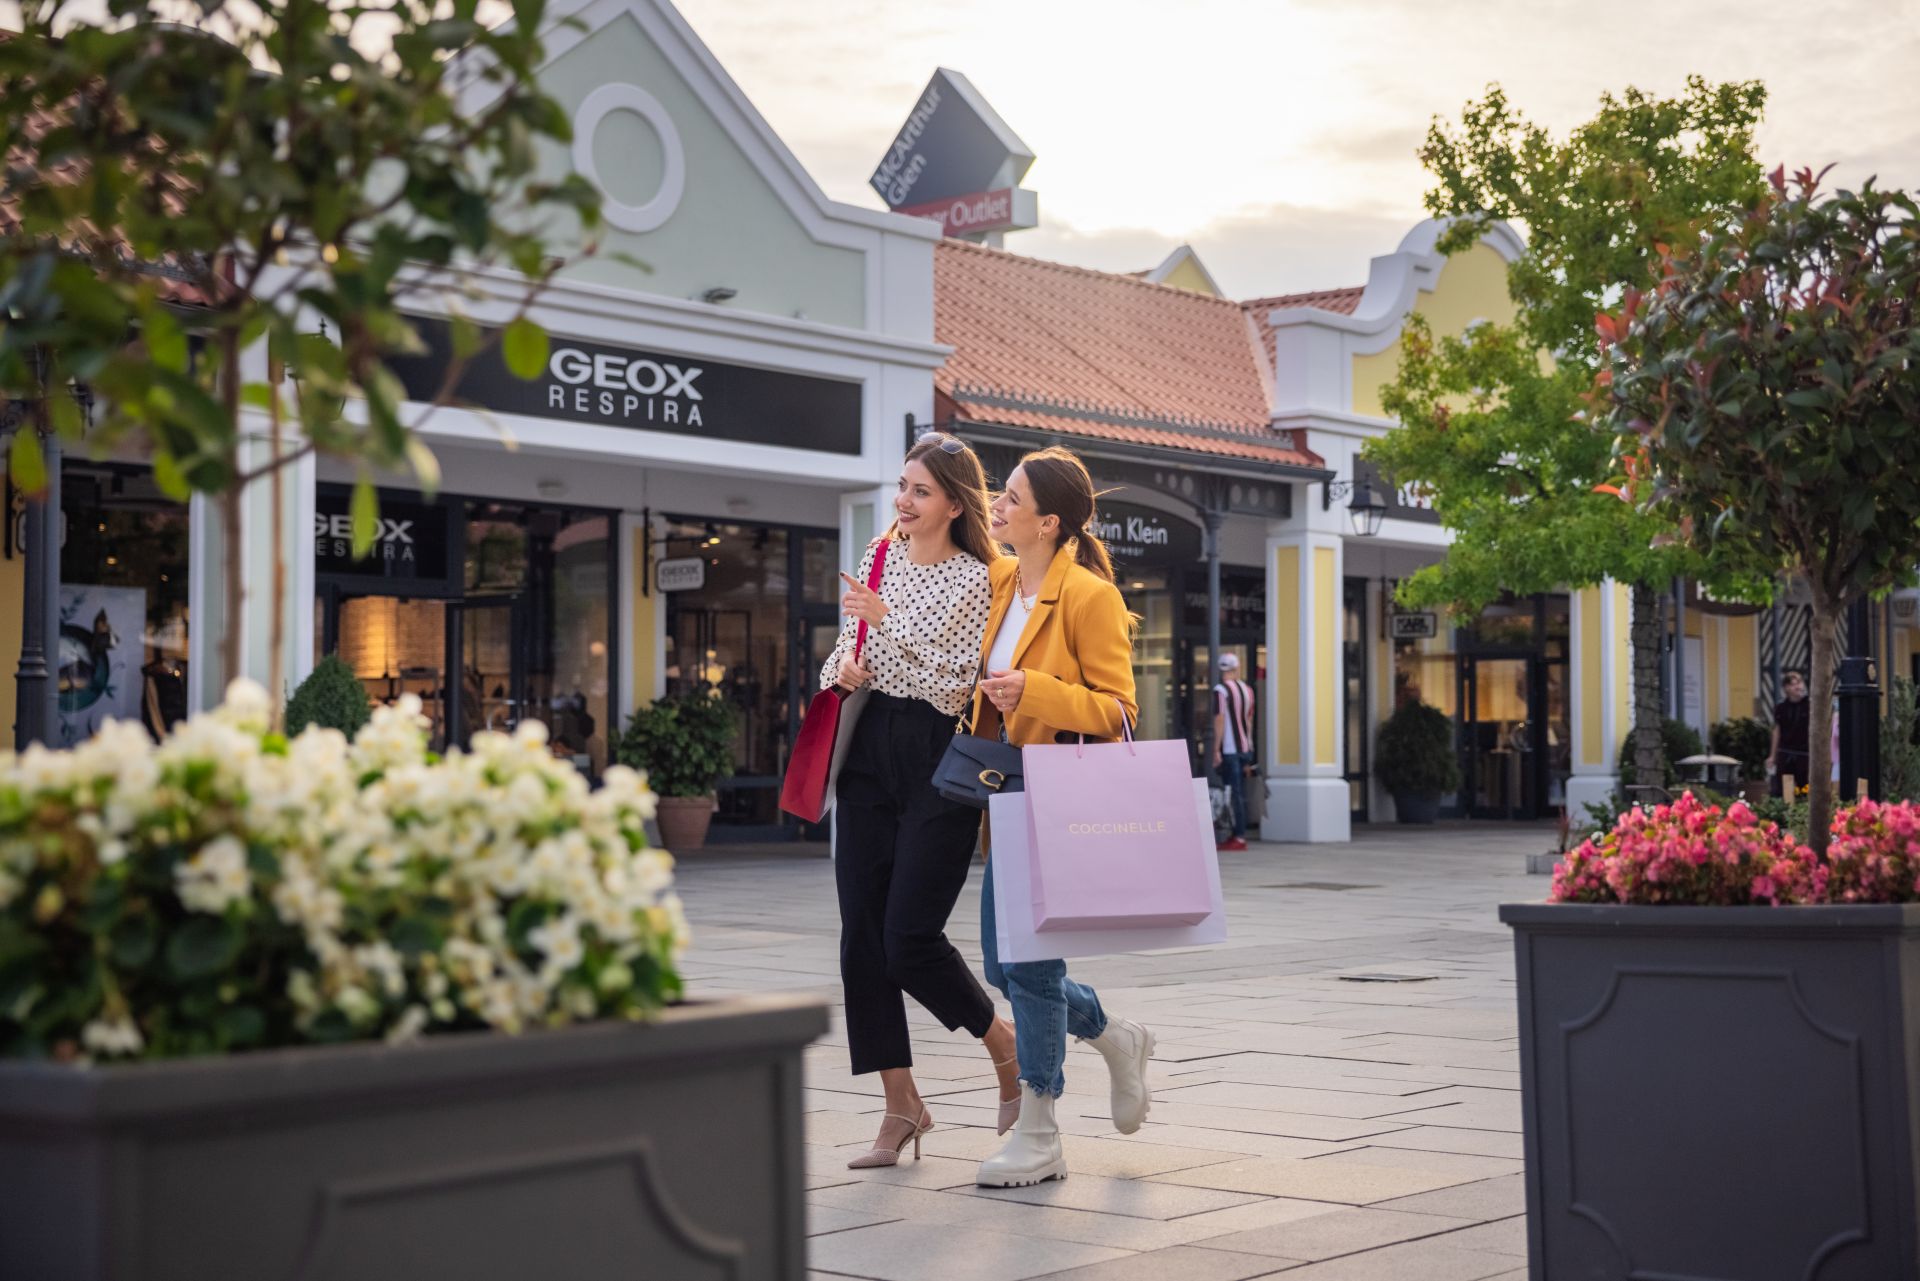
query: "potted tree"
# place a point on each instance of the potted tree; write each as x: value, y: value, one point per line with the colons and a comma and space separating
x: 684, y: 746
x: 1414, y: 759
x: 1719, y: 1075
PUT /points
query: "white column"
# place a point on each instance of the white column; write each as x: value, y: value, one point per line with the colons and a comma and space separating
x: 1599, y: 688
x: 1307, y: 797
x: 257, y: 561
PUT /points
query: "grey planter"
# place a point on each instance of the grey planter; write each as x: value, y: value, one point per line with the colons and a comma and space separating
x: 1416, y: 807
x: 1720, y: 1093
x: 602, y: 1151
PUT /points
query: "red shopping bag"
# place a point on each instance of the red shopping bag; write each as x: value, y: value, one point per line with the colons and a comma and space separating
x: 807, y: 789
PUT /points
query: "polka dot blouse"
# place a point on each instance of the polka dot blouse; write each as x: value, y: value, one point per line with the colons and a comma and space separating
x: 928, y: 646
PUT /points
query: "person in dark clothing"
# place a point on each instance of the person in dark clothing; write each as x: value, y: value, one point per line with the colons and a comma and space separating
x: 1790, y: 755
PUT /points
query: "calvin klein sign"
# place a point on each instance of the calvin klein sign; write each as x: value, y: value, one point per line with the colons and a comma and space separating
x: 1143, y: 536
x: 618, y: 387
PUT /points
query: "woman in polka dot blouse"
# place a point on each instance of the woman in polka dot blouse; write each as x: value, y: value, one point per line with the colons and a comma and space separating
x: 901, y: 850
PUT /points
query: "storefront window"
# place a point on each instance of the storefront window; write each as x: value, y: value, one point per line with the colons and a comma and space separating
x: 1506, y: 623
x: 1424, y: 670
x: 123, y: 602
x: 737, y: 633
x: 1154, y: 673
x: 510, y: 617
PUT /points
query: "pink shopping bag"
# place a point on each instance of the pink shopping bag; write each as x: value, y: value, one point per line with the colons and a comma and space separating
x: 1013, y: 899
x: 1113, y: 837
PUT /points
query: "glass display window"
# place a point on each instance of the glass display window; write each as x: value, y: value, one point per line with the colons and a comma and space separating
x: 123, y: 624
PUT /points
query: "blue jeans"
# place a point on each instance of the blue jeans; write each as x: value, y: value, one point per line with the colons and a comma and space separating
x: 1046, y: 1004
x: 1233, y: 774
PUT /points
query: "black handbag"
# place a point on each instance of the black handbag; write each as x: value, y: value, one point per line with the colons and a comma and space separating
x: 973, y: 769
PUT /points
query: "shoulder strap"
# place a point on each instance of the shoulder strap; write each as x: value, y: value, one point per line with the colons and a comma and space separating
x: 873, y: 585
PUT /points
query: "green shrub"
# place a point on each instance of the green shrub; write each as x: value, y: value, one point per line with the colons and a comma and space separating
x: 1899, y: 754
x: 684, y: 744
x: 1746, y: 740
x: 331, y: 697
x: 1790, y: 815
x: 1677, y: 741
x: 1414, y: 755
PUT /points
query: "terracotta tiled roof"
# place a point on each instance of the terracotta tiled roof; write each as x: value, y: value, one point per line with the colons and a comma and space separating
x: 1106, y: 356
x: 84, y: 241
x: 1339, y: 301
x: 1342, y: 301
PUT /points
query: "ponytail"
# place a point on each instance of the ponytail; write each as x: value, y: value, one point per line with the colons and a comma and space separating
x: 1091, y: 554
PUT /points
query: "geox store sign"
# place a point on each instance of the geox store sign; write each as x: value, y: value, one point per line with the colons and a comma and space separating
x: 647, y: 391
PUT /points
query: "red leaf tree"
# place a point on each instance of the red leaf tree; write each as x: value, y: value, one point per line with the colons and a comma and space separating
x: 1766, y: 391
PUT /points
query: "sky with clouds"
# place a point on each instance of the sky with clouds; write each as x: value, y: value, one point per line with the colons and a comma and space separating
x: 1278, y: 136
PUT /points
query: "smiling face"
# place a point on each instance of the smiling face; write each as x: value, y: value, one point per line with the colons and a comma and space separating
x: 921, y: 506
x: 1016, y: 522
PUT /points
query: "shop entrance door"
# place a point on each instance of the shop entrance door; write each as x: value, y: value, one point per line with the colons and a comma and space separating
x: 1499, y: 754
x: 486, y: 666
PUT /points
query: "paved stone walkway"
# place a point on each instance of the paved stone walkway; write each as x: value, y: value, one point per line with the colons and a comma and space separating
x: 1336, y: 1088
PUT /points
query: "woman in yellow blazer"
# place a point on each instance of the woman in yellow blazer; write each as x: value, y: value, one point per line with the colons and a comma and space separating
x: 1058, y: 656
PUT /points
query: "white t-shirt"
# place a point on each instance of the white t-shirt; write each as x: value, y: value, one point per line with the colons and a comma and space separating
x: 1000, y: 657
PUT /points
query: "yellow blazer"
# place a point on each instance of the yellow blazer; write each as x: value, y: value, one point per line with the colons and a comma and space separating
x: 1077, y: 652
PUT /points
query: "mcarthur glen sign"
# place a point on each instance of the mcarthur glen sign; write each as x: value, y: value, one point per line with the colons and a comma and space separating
x: 957, y: 161
x: 1001, y: 210
x: 648, y: 391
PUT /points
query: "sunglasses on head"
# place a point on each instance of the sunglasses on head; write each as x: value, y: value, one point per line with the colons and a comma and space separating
x: 948, y: 444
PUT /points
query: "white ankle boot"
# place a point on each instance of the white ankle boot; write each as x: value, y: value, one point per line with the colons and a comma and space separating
x: 1033, y: 1154
x: 1127, y: 1047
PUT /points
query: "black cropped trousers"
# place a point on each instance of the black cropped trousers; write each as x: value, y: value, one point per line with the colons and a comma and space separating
x: 901, y: 856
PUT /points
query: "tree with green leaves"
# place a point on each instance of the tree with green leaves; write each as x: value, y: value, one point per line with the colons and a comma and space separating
x: 222, y: 230
x: 1765, y: 395
x: 1490, y: 422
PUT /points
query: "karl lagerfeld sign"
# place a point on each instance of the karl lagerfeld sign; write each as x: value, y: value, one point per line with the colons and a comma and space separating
x: 649, y: 391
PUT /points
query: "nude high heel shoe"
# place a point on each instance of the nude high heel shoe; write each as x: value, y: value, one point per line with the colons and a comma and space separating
x: 881, y: 1156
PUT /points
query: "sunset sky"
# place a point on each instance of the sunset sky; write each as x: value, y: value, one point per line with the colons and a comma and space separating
x: 1278, y: 136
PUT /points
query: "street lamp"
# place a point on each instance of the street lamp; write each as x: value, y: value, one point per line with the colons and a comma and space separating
x: 1366, y: 510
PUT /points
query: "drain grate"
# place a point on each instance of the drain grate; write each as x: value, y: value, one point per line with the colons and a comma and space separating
x: 1387, y: 978
x: 1316, y: 885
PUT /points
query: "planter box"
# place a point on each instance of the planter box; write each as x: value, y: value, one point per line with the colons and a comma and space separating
x: 1410, y: 807
x: 608, y: 1150
x: 1719, y: 1093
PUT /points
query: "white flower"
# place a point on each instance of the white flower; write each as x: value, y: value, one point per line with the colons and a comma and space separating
x: 358, y: 1005
x: 373, y: 823
x: 114, y: 1037
x: 215, y: 877
x: 408, y: 1027
x: 560, y: 941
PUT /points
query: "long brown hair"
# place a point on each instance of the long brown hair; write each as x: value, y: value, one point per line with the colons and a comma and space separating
x: 961, y: 477
x: 1062, y: 487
